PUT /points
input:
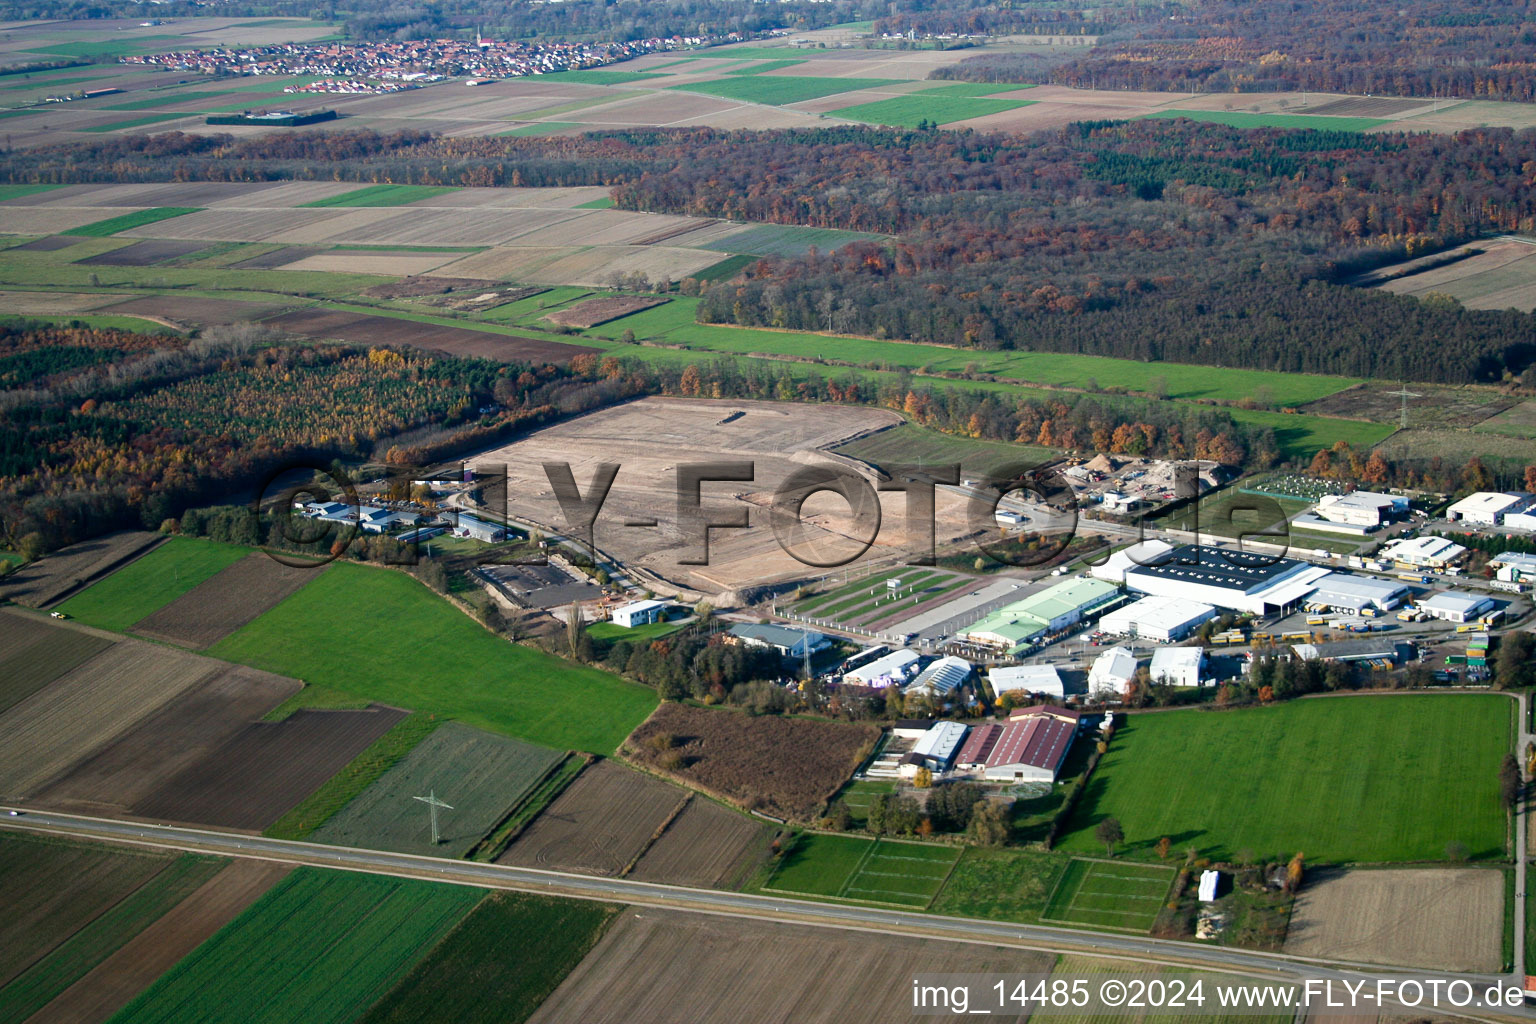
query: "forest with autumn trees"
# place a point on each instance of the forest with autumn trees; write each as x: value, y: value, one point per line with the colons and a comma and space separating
x: 1179, y: 241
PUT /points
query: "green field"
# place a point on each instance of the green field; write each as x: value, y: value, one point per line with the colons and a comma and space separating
x: 99, y: 48
x: 1230, y: 512
x: 1342, y: 779
x: 412, y: 649
x: 168, y: 99
x: 858, y: 795
x: 758, y: 67
x: 480, y: 774
x: 137, y: 219
x: 612, y: 631
x: 135, y: 122
x: 17, y: 191
x: 908, y: 444
x: 1102, y: 894
x: 943, y: 105
x: 147, y: 584
x: 72, y: 959
x: 778, y: 90
x: 785, y: 240
x: 383, y: 195
x: 595, y: 76
x: 361, y: 772
x: 487, y: 969
x: 1238, y: 119
x: 1000, y: 884
x: 320, y: 947
x: 864, y: 870
x: 726, y: 268
x: 605, y: 203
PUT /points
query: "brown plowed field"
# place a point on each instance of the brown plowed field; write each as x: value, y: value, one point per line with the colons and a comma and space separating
x: 599, y: 824
x: 601, y: 310
x: 1447, y: 919
x: 144, y: 254
x: 224, y: 602
x: 50, y: 888
x: 266, y: 768
x: 48, y: 243
x: 665, y: 967
x: 706, y: 846
x: 379, y: 330
x: 143, y: 958
x: 88, y: 708
x: 179, y: 735
x: 787, y: 767
x: 276, y: 258
x: 53, y: 577
x: 34, y: 652
x: 186, y: 309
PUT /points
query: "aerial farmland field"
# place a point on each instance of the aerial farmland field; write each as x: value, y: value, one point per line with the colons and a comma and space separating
x: 486, y: 969
x: 481, y: 775
x: 509, y: 689
x: 320, y: 947
x: 865, y: 870
x: 707, y: 845
x: 225, y: 601
x: 146, y: 584
x: 1369, y: 779
x: 780, y: 89
x: 34, y: 652
x: 1103, y: 894
x: 49, y: 579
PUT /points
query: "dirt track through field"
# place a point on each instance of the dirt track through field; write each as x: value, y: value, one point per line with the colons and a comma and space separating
x: 224, y: 602
x: 1447, y: 919
x: 127, y: 972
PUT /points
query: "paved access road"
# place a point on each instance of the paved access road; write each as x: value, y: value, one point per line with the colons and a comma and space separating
x: 1243, y: 962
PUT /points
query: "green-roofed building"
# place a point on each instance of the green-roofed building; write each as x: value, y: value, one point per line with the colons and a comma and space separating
x: 1048, y: 611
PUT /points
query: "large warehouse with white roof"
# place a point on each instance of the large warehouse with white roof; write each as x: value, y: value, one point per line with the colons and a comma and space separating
x: 1343, y: 592
x: 1239, y: 580
x: 1164, y: 619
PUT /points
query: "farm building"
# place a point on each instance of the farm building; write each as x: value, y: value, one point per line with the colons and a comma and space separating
x: 941, y: 678
x: 478, y: 529
x: 1027, y: 679
x: 935, y: 749
x: 419, y: 534
x: 369, y: 518
x: 1487, y: 508
x: 1361, y: 508
x: 1048, y: 611
x: 1344, y: 592
x: 1432, y: 553
x: 1007, y: 517
x: 1142, y: 553
x: 638, y: 613
x: 1178, y: 666
x: 1241, y: 581
x: 1455, y: 606
x: 790, y: 643
x: 1112, y: 671
x: 1030, y: 747
x: 892, y: 670
x: 1164, y: 619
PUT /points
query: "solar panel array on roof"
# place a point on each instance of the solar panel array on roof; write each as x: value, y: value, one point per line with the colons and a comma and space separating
x: 1217, y: 567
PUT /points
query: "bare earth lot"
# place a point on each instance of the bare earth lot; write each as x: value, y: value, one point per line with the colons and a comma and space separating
x: 224, y: 602
x: 600, y: 824
x: 743, y: 758
x: 670, y: 968
x: 380, y: 330
x: 53, y: 577
x: 601, y: 310
x: 34, y: 652
x: 650, y: 438
x: 197, y: 312
x: 266, y: 768
x: 127, y: 972
x: 181, y: 734
x: 1444, y: 919
x: 706, y: 846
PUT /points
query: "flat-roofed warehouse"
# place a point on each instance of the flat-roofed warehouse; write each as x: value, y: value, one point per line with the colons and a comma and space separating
x: 1344, y: 592
x: 1164, y: 619
x: 1049, y: 611
x: 1456, y: 606
x: 1239, y: 580
x: 936, y: 748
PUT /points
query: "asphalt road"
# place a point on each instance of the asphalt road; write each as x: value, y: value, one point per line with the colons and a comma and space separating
x: 1244, y: 962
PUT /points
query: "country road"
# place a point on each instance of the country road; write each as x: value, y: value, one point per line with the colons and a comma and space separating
x: 1247, y: 963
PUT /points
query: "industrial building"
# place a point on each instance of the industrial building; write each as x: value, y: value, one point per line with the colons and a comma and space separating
x: 1343, y: 592
x: 1178, y: 666
x: 1048, y: 611
x: 1027, y: 679
x: 1433, y: 553
x: 1361, y: 508
x: 1142, y: 553
x: 1456, y: 606
x: 790, y: 643
x: 1487, y: 508
x: 1514, y: 566
x: 1239, y: 580
x: 1030, y: 747
x: 368, y: 518
x: 468, y: 526
x: 1163, y: 619
x: 638, y: 613
x: 935, y: 749
x: 1112, y: 671
x: 892, y: 670
x: 941, y: 678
